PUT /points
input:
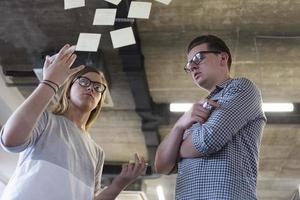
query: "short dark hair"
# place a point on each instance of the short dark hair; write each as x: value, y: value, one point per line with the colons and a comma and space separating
x: 214, y: 43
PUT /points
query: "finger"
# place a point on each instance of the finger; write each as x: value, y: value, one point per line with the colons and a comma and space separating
x: 71, y: 60
x: 203, y: 117
x: 201, y: 102
x: 213, y: 103
x: 143, y: 160
x: 200, y: 119
x: 124, y: 169
x: 77, y: 69
x: 68, y: 53
x: 204, y: 111
x: 200, y: 111
x: 62, y: 50
x: 47, y: 61
x: 198, y: 107
x: 143, y: 164
x: 136, y: 158
x: 136, y: 164
x: 130, y: 167
x: 52, y: 58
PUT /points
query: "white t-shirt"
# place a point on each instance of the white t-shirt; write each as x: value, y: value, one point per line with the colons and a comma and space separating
x: 59, y: 162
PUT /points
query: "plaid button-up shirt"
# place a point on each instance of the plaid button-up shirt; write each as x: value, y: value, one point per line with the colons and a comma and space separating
x: 229, y: 142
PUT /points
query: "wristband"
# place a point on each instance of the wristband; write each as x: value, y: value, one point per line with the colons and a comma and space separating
x: 57, y: 86
x: 46, y: 83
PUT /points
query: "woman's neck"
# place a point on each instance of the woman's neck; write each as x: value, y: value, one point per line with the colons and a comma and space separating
x: 78, y: 117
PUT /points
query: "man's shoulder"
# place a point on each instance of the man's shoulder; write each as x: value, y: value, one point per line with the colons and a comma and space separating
x: 243, y: 83
x: 241, y: 80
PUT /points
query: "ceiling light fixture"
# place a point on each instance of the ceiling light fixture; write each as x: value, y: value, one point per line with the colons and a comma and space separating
x: 180, y: 107
x: 267, y: 107
x: 278, y: 107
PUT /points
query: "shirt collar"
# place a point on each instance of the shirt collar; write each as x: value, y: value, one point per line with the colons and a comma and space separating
x: 219, y: 87
x: 224, y: 83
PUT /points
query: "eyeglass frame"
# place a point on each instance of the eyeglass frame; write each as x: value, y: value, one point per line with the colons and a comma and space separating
x: 188, y: 70
x: 90, y: 82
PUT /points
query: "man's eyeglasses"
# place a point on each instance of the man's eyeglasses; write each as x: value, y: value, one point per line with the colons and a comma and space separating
x: 85, y: 82
x: 198, y: 57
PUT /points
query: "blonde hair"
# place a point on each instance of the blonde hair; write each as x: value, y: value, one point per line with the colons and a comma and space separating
x: 62, y: 104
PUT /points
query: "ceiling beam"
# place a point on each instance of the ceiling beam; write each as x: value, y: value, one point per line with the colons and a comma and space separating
x: 133, y: 65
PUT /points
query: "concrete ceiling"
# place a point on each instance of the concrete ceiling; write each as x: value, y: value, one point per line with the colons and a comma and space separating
x: 264, y: 37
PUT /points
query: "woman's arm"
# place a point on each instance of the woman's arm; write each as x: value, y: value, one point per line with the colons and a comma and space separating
x: 20, y: 124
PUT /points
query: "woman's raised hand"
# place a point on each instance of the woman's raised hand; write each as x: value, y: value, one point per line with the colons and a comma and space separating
x: 57, y: 67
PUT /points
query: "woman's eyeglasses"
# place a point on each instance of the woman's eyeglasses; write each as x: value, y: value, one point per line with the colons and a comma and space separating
x: 86, y: 82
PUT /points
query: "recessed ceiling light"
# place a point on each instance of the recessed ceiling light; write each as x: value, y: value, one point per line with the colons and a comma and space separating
x: 267, y: 107
x: 278, y: 107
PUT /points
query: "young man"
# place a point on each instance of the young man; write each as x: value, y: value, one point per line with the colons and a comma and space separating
x: 215, y: 144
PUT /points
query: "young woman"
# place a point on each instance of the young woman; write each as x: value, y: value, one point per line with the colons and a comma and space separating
x: 58, y: 158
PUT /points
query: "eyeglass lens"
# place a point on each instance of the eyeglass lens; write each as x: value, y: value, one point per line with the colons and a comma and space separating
x: 85, y: 82
x: 196, y: 60
x: 198, y: 57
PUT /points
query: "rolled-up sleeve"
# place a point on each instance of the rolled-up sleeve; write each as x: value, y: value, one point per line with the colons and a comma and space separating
x: 37, y: 131
x: 240, y: 103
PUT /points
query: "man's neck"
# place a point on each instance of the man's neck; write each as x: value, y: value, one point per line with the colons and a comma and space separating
x: 218, y: 82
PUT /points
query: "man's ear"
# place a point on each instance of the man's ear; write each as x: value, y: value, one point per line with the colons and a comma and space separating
x: 224, y: 58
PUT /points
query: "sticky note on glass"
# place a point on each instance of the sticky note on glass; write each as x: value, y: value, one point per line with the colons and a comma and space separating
x: 105, y: 17
x: 139, y: 9
x: 74, y: 4
x: 164, y: 1
x: 88, y: 42
x: 116, y: 2
x: 122, y: 37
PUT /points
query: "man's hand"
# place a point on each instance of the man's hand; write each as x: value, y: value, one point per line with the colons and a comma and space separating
x: 168, y: 150
x: 197, y: 113
x: 187, y: 149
